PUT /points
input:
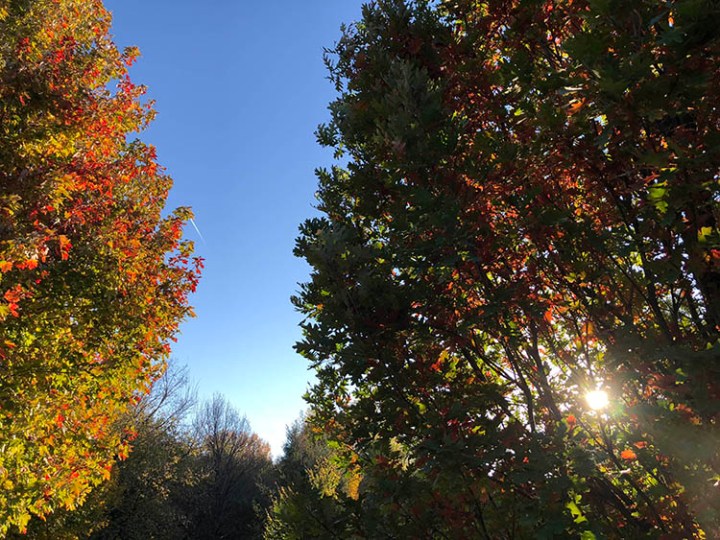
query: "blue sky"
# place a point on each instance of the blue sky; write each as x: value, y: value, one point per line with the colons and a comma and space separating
x: 240, y: 88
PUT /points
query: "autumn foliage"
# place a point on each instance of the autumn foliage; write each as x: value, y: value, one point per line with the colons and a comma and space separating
x: 528, y: 212
x: 94, y: 277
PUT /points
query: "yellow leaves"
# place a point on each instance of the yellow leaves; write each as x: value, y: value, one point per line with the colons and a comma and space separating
x: 703, y: 234
x: 79, y: 183
x: 442, y: 358
x: 21, y: 519
x: 58, y: 145
x: 353, y: 478
x: 124, y: 453
x: 68, y: 502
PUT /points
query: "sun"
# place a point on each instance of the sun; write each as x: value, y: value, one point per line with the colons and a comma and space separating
x: 597, y: 399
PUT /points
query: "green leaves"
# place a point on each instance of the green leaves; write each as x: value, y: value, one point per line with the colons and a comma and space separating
x: 506, y: 163
x: 93, y: 281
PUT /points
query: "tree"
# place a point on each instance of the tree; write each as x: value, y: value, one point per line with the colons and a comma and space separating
x: 232, y: 462
x: 142, y: 497
x: 94, y: 280
x: 314, y: 493
x: 199, y: 479
x: 529, y: 212
x: 146, y: 494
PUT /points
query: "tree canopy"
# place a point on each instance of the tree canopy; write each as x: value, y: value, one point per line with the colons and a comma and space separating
x: 524, y: 211
x: 94, y: 277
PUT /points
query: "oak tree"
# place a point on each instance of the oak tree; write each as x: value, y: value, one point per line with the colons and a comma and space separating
x: 526, y: 212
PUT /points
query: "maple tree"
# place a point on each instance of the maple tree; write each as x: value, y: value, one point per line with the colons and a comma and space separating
x: 140, y: 499
x: 94, y: 277
x: 528, y: 213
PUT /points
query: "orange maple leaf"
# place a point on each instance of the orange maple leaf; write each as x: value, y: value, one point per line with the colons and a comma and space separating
x: 575, y: 106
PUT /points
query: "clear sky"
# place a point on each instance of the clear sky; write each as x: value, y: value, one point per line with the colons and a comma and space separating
x: 240, y: 88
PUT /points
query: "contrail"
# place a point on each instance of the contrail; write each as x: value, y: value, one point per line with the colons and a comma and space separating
x: 198, y: 231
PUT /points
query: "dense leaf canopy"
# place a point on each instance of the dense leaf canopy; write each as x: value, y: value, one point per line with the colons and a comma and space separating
x: 93, y: 279
x: 526, y: 211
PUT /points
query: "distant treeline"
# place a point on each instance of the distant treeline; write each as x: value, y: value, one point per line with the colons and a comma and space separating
x: 195, y: 470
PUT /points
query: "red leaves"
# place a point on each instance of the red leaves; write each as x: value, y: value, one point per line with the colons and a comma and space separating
x: 23, y: 44
x: 80, y: 204
x: 12, y: 297
x: 28, y: 264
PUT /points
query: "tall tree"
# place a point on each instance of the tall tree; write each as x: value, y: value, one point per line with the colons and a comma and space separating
x: 232, y: 462
x: 146, y: 494
x: 94, y: 280
x: 529, y: 213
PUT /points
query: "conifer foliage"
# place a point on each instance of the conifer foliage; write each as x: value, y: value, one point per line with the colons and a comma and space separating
x: 528, y: 213
x: 93, y: 279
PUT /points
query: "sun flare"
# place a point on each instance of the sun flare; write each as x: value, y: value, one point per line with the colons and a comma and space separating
x: 597, y: 399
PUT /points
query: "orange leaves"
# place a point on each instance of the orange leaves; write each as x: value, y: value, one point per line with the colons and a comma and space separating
x: 28, y: 264
x: 107, y: 471
x: 65, y: 245
x: 13, y: 296
x: 628, y: 455
x: 124, y: 452
x: 442, y: 358
x: 79, y: 202
x: 575, y: 106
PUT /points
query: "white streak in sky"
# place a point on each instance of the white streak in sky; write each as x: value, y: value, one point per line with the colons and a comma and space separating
x: 198, y: 230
